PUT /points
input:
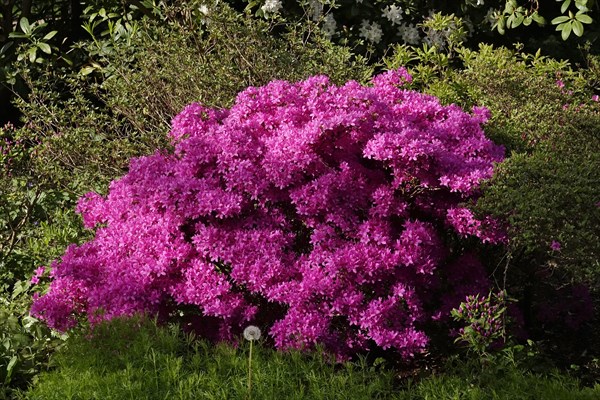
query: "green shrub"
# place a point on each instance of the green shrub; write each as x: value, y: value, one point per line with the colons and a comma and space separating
x: 210, y: 59
x: 25, y: 342
x: 547, y: 187
x: 546, y: 190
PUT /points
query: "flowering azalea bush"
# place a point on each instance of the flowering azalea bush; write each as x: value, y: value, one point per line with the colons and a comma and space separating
x: 325, y: 214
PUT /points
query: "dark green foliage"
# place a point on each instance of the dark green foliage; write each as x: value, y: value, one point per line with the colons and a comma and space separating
x: 29, y: 205
x: 548, y: 187
x: 25, y: 343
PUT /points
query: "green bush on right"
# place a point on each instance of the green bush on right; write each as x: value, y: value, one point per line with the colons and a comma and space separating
x: 548, y: 117
x: 546, y: 191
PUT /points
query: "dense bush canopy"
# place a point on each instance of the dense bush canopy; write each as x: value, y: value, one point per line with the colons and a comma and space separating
x: 320, y: 211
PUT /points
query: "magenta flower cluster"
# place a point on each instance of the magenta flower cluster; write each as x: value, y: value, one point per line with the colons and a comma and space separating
x: 316, y: 211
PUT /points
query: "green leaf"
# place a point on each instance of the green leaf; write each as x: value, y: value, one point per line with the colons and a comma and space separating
x: 510, y: 7
x: 19, y: 288
x: 17, y: 35
x: 527, y: 21
x: 86, y: 70
x: 5, y: 48
x: 32, y: 54
x: 581, y: 5
x: 28, y: 321
x: 501, y: 25
x: 25, y: 27
x: 518, y: 20
x: 565, y: 5
x: 578, y: 28
x: 45, y: 47
x: 9, y: 369
x: 538, y: 18
x: 50, y: 35
x: 566, y: 31
x: 510, y: 21
x: 586, y: 19
x: 559, y: 20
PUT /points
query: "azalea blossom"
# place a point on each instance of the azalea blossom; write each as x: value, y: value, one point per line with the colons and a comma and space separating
x: 371, y: 31
x: 329, y: 25
x: 409, y: 33
x: 393, y: 13
x: 322, y: 211
x: 271, y: 6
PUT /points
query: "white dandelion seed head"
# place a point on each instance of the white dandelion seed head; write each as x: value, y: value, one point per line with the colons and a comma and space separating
x: 251, y: 333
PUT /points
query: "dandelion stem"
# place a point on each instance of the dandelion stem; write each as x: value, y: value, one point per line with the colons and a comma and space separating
x: 250, y: 372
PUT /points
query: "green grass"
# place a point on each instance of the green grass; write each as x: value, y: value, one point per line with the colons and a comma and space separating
x: 133, y: 359
x: 510, y: 383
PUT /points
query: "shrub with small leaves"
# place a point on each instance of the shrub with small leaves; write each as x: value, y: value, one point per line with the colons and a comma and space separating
x: 485, y: 319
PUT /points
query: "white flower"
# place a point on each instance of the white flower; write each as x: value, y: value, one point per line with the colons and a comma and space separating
x: 371, y: 31
x: 251, y: 333
x: 203, y: 9
x: 393, y: 13
x: 329, y: 26
x: 316, y: 9
x: 479, y: 2
x: 410, y: 33
x: 271, y: 6
x: 436, y: 38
